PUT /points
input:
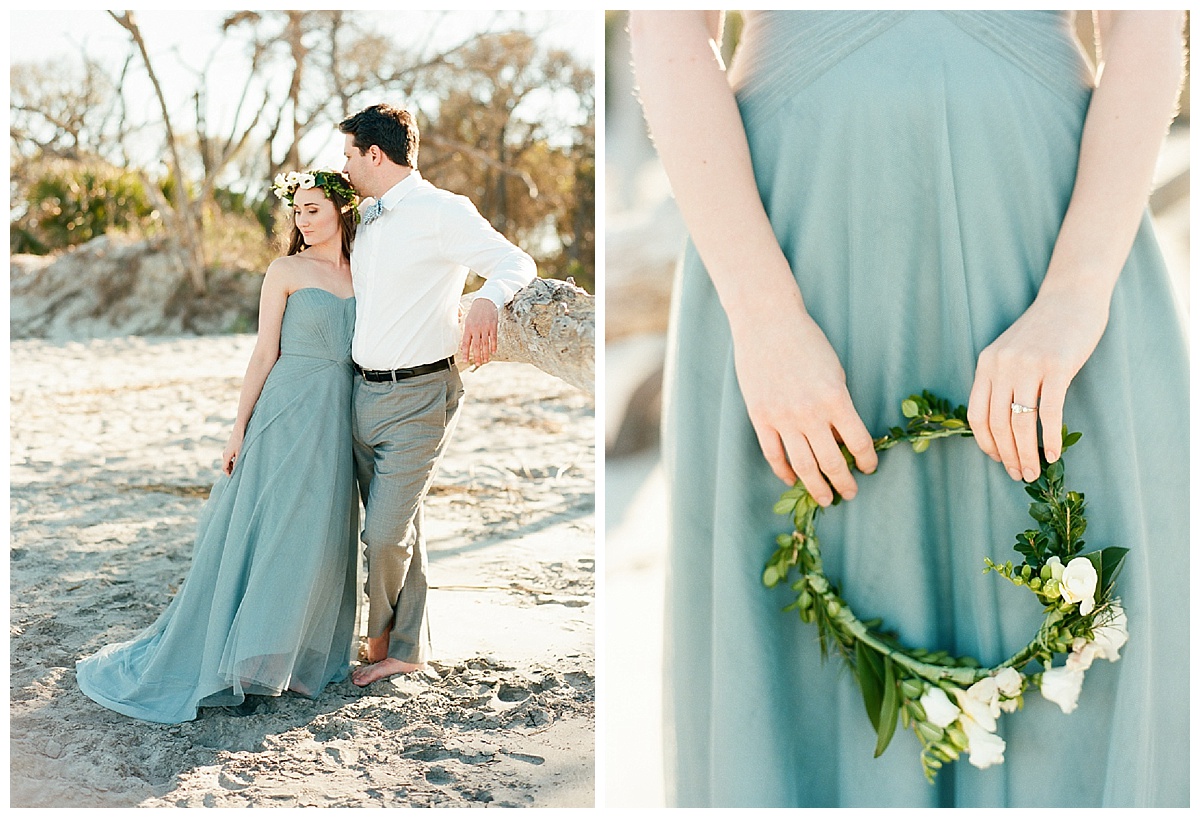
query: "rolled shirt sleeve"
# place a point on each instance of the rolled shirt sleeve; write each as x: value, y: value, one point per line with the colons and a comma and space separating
x: 467, y: 238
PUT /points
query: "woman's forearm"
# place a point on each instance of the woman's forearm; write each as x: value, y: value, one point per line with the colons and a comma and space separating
x: 1131, y: 109
x: 698, y: 131
x: 788, y: 372
x: 257, y: 371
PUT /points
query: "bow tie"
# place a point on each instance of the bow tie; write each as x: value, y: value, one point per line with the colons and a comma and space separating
x: 372, y: 212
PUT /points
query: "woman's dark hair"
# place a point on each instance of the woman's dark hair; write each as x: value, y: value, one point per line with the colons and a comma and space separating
x: 346, y: 215
x: 393, y: 129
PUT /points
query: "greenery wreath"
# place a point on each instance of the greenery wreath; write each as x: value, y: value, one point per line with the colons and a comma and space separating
x: 952, y: 703
x: 286, y: 185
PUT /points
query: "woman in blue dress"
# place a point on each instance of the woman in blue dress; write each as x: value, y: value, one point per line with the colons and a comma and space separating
x: 880, y: 203
x: 269, y: 602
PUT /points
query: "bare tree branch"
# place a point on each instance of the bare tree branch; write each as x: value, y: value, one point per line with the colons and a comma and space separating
x: 192, y: 250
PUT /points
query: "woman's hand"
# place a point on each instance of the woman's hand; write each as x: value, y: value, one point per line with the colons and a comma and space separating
x: 1034, y: 361
x: 795, y: 392
x: 232, y: 449
x: 1031, y: 364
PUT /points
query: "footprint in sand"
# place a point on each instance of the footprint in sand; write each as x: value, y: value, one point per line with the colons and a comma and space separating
x: 439, y: 775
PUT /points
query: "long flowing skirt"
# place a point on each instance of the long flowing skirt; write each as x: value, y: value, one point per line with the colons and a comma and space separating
x: 269, y: 602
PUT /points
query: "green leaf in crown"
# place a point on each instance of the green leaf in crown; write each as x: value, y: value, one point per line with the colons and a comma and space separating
x: 331, y: 181
x: 952, y: 703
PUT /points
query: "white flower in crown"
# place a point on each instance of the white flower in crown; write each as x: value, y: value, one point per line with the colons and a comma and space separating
x: 1082, y: 654
x: 1112, y: 634
x: 986, y: 748
x: 1079, y: 584
x: 306, y: 181
x: 939, y: 710
x: 1062, y: 685
x: 980, y: 705
x: 1106, y: 643
x: 1056, y: 568
x: 1010, y: 683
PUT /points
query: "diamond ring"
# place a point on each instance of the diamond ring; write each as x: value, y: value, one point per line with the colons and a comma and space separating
x: 1020, y: 408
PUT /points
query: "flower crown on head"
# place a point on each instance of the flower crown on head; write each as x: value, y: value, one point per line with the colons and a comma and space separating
x: 330, y: 181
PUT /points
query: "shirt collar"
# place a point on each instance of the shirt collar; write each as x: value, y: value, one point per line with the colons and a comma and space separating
x: 399, y: 190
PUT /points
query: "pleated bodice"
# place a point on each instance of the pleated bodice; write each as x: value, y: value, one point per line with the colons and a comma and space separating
x: 781, y: 52
x: 311, y: 329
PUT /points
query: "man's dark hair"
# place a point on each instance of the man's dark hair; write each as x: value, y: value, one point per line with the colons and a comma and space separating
x: 393, y: 129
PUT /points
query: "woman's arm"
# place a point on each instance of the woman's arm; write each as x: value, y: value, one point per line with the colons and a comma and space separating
x: 790, y: 377
x: 271, y: 303
x: 1035, y: 360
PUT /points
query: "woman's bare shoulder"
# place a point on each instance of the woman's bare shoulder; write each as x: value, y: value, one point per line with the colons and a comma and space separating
x: 286, y: 264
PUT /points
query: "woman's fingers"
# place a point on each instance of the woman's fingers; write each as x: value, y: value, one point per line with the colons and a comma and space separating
x: 858, y: 440
x: 1023, y: 414
x: 772, y: 449
x: 1054, y: 395
x: 978, y: 416
x: 833, y: 465
x: 805, y: 465
x: 1000, y: 426
x: 814, y: 457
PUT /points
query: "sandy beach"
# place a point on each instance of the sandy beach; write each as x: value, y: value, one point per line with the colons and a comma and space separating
x: 114, y: 444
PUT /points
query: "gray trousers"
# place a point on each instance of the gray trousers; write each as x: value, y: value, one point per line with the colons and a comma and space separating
x: 400, y: 433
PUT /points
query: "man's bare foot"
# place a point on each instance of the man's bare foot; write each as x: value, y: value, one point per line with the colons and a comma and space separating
x: 377, y: 646
x: 385, y: 669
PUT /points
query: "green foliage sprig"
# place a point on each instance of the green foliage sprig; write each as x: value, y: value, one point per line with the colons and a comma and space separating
x: 1082, y: 616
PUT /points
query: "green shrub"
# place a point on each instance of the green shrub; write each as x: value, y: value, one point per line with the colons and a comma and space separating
x: 68, y: 203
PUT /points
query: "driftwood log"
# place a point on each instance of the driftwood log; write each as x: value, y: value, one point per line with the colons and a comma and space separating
x: 552, y: 325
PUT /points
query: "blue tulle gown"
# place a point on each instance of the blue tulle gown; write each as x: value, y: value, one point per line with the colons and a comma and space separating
x: 269, y: 602
x: 916, y: 167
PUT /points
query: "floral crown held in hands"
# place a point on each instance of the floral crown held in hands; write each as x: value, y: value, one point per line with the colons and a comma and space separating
x: 330, y: 181
x: 952, y: 703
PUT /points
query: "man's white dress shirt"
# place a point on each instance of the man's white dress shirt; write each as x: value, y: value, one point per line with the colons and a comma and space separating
x: 409, y: 267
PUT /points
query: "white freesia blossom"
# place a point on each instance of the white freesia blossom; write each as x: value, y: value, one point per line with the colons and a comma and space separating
x: 980, y: 705
x: 1056, y: 568
x: 306, y: 181
x: 280, y: 193
x: 1107, y: 640
x: 978, y: 709
x: 1061, y: 685
x: 292, y: 178
x: 986, y: 748
x: 280, y: 181
x: 1009, y: 682
x: 1082, y: 654
x: 987, y: 692
x: 1112, y: 634
x: 1079, y: 584
x: 939, y: 710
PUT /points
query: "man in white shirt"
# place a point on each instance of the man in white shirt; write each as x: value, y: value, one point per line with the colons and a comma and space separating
x: 409, y: 263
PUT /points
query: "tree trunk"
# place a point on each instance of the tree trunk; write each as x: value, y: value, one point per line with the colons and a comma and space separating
x: 552, y: 325
x: 187, y: 240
